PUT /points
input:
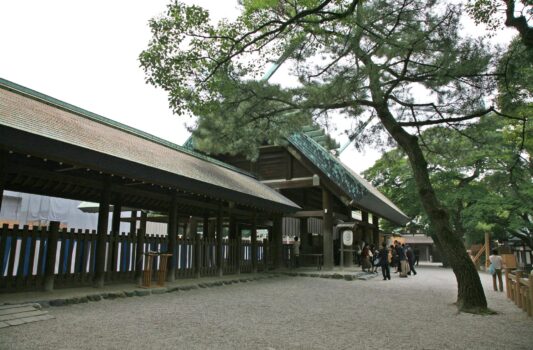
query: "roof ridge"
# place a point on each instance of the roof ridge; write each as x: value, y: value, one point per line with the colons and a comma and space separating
x: 36, y: 95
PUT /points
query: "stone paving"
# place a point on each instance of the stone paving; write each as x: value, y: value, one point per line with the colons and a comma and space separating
x: 286, y: 312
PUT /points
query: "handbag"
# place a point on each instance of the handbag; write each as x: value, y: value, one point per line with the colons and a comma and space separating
x: 377, y: 261
x: 492, y: 270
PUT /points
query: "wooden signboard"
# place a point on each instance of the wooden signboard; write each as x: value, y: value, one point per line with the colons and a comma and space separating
x: 509, y: 261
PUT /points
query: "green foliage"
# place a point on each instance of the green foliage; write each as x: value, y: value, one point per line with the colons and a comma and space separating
x: 210, y: 69
x: 476, y: 175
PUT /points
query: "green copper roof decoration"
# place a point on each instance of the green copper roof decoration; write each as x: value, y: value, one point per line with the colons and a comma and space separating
x: 109, y: 122
x: 328, y: 164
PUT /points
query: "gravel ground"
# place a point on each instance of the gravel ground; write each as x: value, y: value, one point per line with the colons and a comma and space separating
x: 286, y: 313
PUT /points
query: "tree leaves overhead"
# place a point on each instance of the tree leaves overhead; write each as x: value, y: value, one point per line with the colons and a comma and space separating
x: 475, y: 175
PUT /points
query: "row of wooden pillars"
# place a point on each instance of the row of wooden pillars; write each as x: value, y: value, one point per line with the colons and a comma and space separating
x: 172, y: 230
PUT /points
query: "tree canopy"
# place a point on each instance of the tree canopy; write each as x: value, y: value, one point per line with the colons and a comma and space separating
x: 404, y: 64
x: 475, y: 174
x: 496, y: 13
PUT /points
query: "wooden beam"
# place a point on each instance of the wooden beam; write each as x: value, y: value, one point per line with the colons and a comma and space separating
x: 103, y: 220
x: 298, y: 182
x: 139, y: 249
x: 277, y: 241
x: 306, y: 214
x: 327, y: 229
x: 334, y: 188
x: 254, y: 243
x: 219, y: 259
x: 3, y: 172
x: 172, y: 231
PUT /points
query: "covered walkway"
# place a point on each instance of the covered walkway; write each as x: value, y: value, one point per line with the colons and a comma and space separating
x: 52, y: 148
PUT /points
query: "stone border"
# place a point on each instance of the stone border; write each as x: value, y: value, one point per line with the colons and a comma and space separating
x: 359, y: 276
x: 141, y: 292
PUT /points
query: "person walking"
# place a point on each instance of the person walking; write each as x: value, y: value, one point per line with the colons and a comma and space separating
x: 365, y: 259
x: 402, y: 265
x: 384, y: 261
x: 296, y: 252
x: 496, y: 261
x: 394, y: 257
x: 410, y: 259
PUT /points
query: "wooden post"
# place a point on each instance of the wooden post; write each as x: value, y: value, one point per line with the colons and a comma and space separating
x: 219, y: 257
x: 232, y: 239
x: 114, y: 263
x: 238, y: 247
x: 139, y: 249
x: 304, y: 235
x: 327, y: 229
x: 198, y: 252
x: 133, y: 222
x: 517, y: 300
x: 254, y: 243
x: 172, y: 229
x: 49, y: 269
x: 3, y: 172
x: 266, y: 254
x: 530, y: 296
x: 277, y: 241
x: 487, y: 250
x: 103, y: 222
x: 375, y: 230
x: 197, y: 244
x: 130, y: 255
x: 507, y: 283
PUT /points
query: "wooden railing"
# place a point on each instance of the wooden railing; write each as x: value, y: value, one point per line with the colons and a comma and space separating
x: 520, y: 290
x: 24, y: 257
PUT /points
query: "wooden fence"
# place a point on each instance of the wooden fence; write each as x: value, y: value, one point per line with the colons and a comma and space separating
x: 520, y: 290
x: 24, y: 256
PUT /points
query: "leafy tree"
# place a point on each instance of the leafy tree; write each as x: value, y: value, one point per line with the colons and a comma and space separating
x: 401, y: 62
x: 488, y: 12
x: 475, y: 175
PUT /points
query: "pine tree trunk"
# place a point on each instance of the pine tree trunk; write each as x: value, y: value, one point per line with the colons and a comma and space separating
x: 470, y: 296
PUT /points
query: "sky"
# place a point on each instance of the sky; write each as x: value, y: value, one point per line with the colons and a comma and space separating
x: 86, y: 54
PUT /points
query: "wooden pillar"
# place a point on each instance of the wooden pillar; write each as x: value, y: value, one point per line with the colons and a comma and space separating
x: 115, y: 223
x: 375, y: 231
x: 113, y: 250
x: 327, y: 229
x: 254, y: 243
x: 220, y: 247
x: 277, y: 241
x: 197, y: 255
x: 172, y: 230
x: 3, y: 173
x: 139, y: 250
x: 103, y: 222
x: 232, y: 228
x: 487, y: 250
x: 238, y: 246
x: 304, y: 235
x: 367, y: 237
x: 133, y: 223
x: 49, y: 269
x: 207, y: 236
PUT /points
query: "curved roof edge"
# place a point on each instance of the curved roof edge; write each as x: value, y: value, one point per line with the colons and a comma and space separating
x: 362, y: 193
x: 9, y: 85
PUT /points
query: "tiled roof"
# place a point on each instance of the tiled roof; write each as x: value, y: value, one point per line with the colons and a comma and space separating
x: 418, y: 239
x: 358, y: 189
x: 35, y: 113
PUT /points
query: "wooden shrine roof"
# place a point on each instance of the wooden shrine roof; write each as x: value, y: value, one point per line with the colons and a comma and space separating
x: 38, y: 124
x: 360, y: 191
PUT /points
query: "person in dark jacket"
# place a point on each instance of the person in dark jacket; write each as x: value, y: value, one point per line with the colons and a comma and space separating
x: 410, y: 259
x: 384, y: 261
